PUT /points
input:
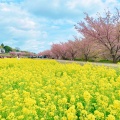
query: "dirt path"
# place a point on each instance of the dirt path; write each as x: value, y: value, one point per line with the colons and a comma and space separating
x: 94, y: 63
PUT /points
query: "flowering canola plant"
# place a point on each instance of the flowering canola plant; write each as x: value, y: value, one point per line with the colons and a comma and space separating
x: 47, y: 90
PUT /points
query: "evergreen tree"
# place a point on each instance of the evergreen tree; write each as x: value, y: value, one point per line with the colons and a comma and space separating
x: 2, y: 45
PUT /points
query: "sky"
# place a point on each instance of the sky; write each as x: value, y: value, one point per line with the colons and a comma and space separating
x: 34, y: 25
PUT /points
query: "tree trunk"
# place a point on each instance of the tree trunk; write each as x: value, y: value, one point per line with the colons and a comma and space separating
x: 73, y: 57
x: 114, y: 59
x: 86, y: 57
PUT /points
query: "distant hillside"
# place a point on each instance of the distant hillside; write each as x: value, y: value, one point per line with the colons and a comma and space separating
x: 9, y: 48
x: 8, y: 51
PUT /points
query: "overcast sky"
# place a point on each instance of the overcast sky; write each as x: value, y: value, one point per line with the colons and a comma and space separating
x: 33, y: 25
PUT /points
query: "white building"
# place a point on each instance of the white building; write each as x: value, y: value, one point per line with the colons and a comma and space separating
x: 2, y: 50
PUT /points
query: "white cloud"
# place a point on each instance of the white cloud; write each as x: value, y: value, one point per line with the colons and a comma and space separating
x: 27, y: 23
x: 33, y: 45
x: 18, y: 26
x: 5, y: 9
x: 55, y: 27
x: 11, y: 43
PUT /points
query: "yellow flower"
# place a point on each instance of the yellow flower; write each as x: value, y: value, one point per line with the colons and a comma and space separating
x: 116, y: 104
x: 71, y: 116
x: 80, y: 106
x: 29, y: 102
x: 56, y: 117
x: 110, y: 117
x: 0, y: 101
x: 51, y: 113
x: 90, y: 117
x: 98, y: 115
x: 20, y: 117
x: 71, y: 110
x: 46, y: 89
x: 11, y: 116
x: 25, y: 111
x: 72, y: 99
x: 42, y: 119
x: 63, y: 118
x: 64, y: 100
x: 86, y: 96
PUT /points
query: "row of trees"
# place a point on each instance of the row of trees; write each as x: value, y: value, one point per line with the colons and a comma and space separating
x: 101, y: 39
x: 73, y: 49
x: 21, y: 54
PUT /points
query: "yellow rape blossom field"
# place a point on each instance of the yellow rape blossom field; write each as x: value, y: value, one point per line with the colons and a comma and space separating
x: 47, y: 90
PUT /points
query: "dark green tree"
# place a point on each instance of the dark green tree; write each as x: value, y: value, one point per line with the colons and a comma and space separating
x: 7, y: 49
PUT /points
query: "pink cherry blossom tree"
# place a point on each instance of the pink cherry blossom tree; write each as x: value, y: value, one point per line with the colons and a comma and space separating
x: 55, y: 49
x: 103, y: 30
x: 46, y: 53
x: 13, y: 54
x: 89, y: 50
x: 72, y: 47
x: 59, y: 50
